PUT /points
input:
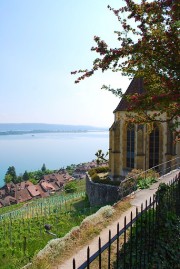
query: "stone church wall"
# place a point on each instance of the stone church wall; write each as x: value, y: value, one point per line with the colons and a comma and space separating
x: 101, y: 194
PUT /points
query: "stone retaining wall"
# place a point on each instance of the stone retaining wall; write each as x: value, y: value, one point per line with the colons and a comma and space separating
x: 101, y: 194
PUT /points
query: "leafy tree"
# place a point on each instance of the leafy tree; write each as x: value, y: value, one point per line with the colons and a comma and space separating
x: 25, y: 176
x: 43, y: 169
x: 8, y: 178
x: 33, y: 180
x: 149, y: 48
x: 101, y: 157
x: 12, y: 172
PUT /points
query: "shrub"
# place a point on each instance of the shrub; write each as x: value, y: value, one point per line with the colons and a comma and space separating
x: 70, y: 187
x: 95, y: 177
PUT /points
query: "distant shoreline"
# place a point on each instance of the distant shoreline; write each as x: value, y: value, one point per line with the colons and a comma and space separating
x: 40, y: 128
x: 47, y: 131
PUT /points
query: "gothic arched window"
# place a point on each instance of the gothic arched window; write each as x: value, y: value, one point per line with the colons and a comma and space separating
x: 154, y: 147
x: 130, y: 146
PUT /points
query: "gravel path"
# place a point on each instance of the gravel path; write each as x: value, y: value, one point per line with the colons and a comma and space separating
x: 137, y: 199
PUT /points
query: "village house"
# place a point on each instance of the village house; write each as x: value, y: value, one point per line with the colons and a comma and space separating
x: 25, y: 191
x: 81, y: 169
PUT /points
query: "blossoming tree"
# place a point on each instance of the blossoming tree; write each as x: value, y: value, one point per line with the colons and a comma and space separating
x: 148, y: 47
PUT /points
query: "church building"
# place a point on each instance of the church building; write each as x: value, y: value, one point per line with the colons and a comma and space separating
x: 133, y: 146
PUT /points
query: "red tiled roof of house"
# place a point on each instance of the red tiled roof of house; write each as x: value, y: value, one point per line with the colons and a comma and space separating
x: 22, y: 195
x: 8, y: 200
x: 24, y: 184
x: 2, y: 192
x: 47, y: 186
x: 56, y: 185
x: 33, y: 190
x: 2, y: 203
x: 42, y: 192
x: 59, y: 177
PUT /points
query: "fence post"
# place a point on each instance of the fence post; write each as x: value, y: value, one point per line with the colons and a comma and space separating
x: 136, y: 237
x: 124, y: 256
x: 74, y: 264
x: 99, y: 253
x: 88, y: 255
x: 109, y: 250
x: 117, y: 259
x: 140, y: 253
x: 131, y: 242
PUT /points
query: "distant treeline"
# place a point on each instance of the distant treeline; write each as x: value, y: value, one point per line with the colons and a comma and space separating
x: 40, y: 132
x: 31, y: 128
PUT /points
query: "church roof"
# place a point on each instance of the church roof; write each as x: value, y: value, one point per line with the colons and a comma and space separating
x: 136, y: 86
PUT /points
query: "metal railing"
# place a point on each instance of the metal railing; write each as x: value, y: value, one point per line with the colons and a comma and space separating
x: 129, y: 184
x: 138, y: 244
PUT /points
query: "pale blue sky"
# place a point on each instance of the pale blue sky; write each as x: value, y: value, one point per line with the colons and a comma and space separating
x: 41, y: 42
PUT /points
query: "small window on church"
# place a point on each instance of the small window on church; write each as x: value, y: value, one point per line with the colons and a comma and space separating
x: 130, y: 146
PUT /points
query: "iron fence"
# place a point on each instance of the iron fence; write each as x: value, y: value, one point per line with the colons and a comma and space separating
x: 140, y: 236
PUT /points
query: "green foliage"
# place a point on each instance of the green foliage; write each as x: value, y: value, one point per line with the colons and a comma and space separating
x: 8, y: 178
x: 145, y: 183
x: 96, y: 177
x: 70, y: 168
x: 148, y: 45
x: 25, y: 176
x: 33, y: 180
x: 99, y: 169
x: 22, y: 237
x: 12, y: 172
x: 155, y: 236
x: 70, y: 187
x: 141, y: 179
x: 101, y: 157
x: 43, y: 169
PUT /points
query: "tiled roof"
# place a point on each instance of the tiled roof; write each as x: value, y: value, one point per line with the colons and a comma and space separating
x: 42, y: 192
x: 136, y: 86
x: 47, y: 186
x: 8, y: 200
x: 33, y: 191
x: 22, y: 195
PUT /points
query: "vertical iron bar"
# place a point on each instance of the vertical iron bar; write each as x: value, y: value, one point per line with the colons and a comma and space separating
x: 153, y: 238
x: 74, y: 264
x: 109, y: 250
x: 124, y: 256
x: 131, y: 243
x: 156, y: 223
x: 88, y: 255
x: 145, y: 236
x: 99, y: 253
x: 140, y: 253
x: 117, y: 259
x: 149, y: 231
x: 136, y: 238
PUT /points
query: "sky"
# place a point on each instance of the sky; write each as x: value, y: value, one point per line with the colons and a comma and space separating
x: 41, y: 42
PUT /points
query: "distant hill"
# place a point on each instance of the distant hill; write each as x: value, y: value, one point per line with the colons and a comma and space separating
x: 22, y: 128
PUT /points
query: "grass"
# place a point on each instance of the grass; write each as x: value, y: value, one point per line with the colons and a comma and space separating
x: 79, y: 236
x: 22, y: 238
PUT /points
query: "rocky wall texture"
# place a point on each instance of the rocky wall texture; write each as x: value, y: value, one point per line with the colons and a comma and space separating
x: 101, y: 194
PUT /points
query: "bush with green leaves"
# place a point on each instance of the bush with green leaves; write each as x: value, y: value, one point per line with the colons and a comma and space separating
x: 142, y: 179
x: 70, y: 187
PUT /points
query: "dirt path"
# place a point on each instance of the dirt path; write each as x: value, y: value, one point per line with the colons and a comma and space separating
x: 137, y: 199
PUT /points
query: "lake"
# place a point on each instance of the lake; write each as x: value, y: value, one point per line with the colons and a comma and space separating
x: 56, y: 150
